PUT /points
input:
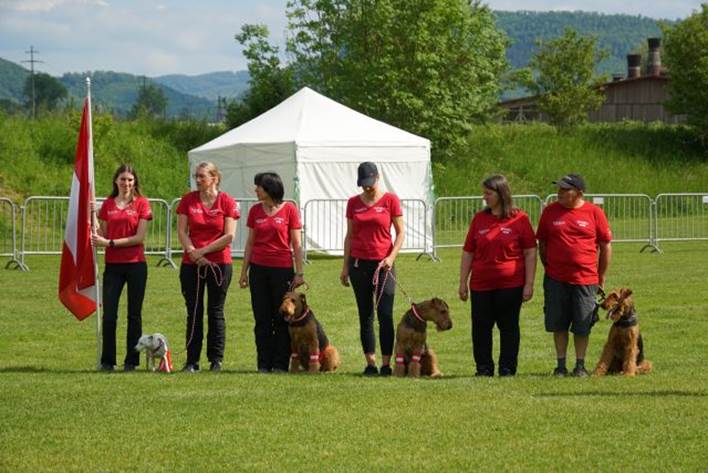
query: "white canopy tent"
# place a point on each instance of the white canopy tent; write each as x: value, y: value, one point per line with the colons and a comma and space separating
x: 316, y: 144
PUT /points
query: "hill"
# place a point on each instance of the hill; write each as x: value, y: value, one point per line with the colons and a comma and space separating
x: 210, y: 86
x: 118, y: 91
x: 618, y: 34
x: 12, y: 80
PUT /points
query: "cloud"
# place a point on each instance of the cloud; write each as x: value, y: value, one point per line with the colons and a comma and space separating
x: 32, y: 6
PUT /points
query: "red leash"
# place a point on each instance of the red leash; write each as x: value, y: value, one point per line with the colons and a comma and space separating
x: 382, y: 285
x: 218, y: 277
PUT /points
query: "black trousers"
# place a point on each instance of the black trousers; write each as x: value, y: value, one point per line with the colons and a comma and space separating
x: 361, y: 274
x: 500, y: 307
x: 268, y: 286
x: 189, y: 275
x: 115, y: 276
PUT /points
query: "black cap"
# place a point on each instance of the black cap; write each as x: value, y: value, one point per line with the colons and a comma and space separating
x: 368, y: 172
x: 571, y: 181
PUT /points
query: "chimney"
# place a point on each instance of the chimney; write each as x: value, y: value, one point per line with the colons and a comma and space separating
x: 654, y: 63
x: 617, y: 77
x: 634, y: 62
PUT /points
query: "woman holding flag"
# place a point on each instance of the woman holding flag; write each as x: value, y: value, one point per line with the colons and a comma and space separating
x: 124, y: 216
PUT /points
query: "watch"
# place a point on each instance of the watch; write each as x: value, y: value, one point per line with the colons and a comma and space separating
x: 111, y: 243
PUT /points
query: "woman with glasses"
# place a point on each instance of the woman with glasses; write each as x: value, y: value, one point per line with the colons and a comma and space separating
x: 206, y: 227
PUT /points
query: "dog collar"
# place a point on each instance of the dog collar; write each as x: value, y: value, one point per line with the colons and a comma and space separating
x: 302, y: 319
x: 629, y: 320
x: 414, y: 320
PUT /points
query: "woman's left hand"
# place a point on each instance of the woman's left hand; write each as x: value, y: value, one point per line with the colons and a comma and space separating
x: 298, y: 280
x: 527, y: 293
x: 387, y: 262
x: 98, y: 241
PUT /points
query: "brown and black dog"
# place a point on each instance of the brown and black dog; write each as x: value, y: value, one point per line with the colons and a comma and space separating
x: 624, y: 350
x: 413, y: 355
x: 309, y: 347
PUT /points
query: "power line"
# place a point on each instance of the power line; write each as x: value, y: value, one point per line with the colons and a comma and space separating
x: 31, y: 62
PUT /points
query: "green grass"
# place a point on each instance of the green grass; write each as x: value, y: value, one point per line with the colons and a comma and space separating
x: 58, y: 414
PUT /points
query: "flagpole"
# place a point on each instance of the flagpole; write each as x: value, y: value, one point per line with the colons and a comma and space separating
x: 99, y: 302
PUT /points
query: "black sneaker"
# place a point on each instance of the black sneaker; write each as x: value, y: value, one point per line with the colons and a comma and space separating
x: 580, y: 372
x: 371, y: 370
x: 191, y: 368
x: 505, y: 372
x: 264, y: 370
x: 481, y: 372
x: 385, y: 370
x: 560, y: 372
x: 215, y: 366
x: 105, y: 367
x: 129, y: 367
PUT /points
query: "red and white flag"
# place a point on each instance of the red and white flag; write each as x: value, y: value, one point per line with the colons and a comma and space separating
x: 77, y: 276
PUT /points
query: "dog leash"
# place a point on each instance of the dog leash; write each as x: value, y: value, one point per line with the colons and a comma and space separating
x: 375, y: 281
x: 219, y: 278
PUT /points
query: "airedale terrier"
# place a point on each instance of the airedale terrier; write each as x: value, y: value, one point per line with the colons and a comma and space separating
x: 624, y: 350
x: 413, y: 355
x: 310, y: 349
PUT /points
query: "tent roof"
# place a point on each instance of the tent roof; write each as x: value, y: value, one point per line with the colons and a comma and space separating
x: 307, y: 118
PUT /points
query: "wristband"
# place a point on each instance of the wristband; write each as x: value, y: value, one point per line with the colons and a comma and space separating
x: 299, y: 274
x: 111, y: 243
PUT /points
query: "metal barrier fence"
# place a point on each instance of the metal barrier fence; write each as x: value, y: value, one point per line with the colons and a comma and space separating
x: 452, y: 217
x: 8, y: 234
x: 174, y: 247
x: 681, y: 217
x: 631, y: 216
x: 325, y: 226
x: 44, y: 224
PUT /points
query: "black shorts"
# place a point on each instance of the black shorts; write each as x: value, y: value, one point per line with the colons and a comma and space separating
x: 568, y: 306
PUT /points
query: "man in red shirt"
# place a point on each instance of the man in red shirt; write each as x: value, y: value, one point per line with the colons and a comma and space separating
x: 574, y: 246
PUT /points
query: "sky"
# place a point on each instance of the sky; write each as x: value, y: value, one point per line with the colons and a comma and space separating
x: 158, y: 37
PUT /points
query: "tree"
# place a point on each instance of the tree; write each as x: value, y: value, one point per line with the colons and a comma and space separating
x: 686, y: 58
x: 270, y: 82
x: 429, y: 67
x: 48, y: 92
x: 564, y: 77
x: 151, y: 101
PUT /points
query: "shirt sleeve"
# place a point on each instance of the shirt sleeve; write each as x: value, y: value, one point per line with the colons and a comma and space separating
x: 183, y: 206
x: 231, y: 208
x: 103, y: 211
x: 294, y: 222
x: 251, y: 219
x: 350, y: 210
x: 541, y: 231
x: 470, y: 244
x: 145, y: 211
x: 604, y: 234
x: 396, y: 206
x: 527, y: 237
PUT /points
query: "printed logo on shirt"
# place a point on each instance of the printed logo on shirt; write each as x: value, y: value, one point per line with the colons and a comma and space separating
x: 558, y: 222
x: 113, y: 212
x: 360, y: 210
x: 260, y: 220
x: 379, y: 210
x: 505, y: 230
x: 484, y: 231
x: 195, y: 210
x: 213, y: 212
x: 131, y: 212
x: 279, y: 220
x: 582, y: 223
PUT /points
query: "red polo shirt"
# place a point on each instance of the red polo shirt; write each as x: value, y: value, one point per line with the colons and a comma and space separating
x: 572, y: 237
x: 371, y: 226
x: 497, y: 247
x: 122, y: 223
x: 207, y: 224
x: 271, y: 241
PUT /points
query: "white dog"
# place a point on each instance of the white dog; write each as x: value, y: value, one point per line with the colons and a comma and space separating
x: 155, y: 348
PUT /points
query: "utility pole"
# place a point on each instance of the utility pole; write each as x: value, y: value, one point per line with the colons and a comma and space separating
x: 31, y: 62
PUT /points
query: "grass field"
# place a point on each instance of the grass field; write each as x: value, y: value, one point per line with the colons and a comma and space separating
x: 58, y: 414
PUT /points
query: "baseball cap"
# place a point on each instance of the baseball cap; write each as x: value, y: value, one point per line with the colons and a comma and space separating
x: 367, y: 172
x: 571, y: 181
